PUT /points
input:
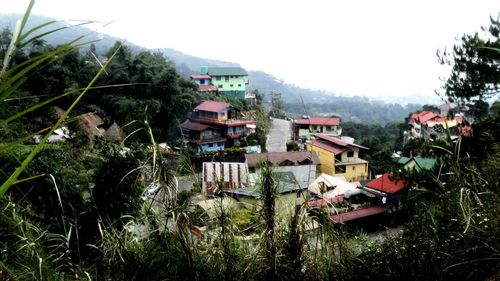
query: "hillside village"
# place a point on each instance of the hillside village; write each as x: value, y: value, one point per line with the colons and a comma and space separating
x: 123, y: 165
x: 326, y: 171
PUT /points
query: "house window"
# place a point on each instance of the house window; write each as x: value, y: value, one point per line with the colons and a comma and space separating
x: 219, y: 86
x: 239, y: 85
x: 338, y: 158
x: 231, y: 85
x: 350, y: 153
x: 328, y: 128
x: 354, y: 168
x: 339, y: 169
x: 217, y: 78
x: 202, y: 81
x: 226, y: 78
x: 210, y: 145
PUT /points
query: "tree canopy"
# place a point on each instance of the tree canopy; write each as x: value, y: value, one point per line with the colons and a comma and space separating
x: 475, y: 62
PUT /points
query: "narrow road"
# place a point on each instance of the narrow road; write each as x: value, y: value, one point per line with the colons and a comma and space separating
x: 278, y: 136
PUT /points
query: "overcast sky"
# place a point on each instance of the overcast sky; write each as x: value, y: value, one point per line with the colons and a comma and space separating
x: 371, y: 48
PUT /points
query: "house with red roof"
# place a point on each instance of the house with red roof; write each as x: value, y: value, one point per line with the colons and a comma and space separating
x: 213, y: 126
x: 204, y: 82
x: 430, y: 125
x: 339, y: 157
x: 385, y: 185
x: 388, y: 189
x: 306, y: 127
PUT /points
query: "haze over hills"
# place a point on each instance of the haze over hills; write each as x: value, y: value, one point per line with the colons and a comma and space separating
x: 297, y: 101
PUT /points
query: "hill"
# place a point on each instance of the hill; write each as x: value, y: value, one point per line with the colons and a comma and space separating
x: 298, y: 101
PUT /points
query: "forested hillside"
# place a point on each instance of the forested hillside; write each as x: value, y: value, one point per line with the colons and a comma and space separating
x: 358, y: 109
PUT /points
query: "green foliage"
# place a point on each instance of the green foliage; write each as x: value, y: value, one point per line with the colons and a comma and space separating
x: 117, y: 191
x: 352, y: 109
x: 292, y: 146
x: 380, y: 140
x: 475, y: 65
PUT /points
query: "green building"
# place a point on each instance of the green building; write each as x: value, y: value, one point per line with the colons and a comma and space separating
x: 230, y: 81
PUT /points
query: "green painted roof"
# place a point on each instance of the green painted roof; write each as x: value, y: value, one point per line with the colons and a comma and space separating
x: 425, y: 163
x: 403, y: 160
x: 287, y: 184
x: 225, y: 71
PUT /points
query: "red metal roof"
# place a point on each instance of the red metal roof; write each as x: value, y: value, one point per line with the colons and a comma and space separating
x: 207, y: 88
x: 335, y: 149
x: 424, y: 116
x: 212, y: 106
x: 328, y: 121
x: 357, y: 214
x: 337, y: 141
x: 325, y: 202
x: 200, y: 76
x: 386, y: 184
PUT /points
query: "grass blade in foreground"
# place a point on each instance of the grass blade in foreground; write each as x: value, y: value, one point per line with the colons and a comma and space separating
x: 8, y: 183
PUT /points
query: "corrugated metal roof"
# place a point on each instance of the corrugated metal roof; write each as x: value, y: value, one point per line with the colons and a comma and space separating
x: 207, y: 88
x: 328, y: 121
x: 386, y: 183
x: 296, y: 157
x: 200, y: 76
x: 425, y: 163
x: 337, y: 141
x: 193, y: 126
x: 227, y: 71
x: 357, y: 214
x: 212, y: 106
x: 335, y: 149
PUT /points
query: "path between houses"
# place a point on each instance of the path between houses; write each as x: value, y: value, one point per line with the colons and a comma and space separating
x: 278, y: 136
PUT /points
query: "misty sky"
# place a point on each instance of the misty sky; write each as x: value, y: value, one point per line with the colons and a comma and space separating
x: 371, y: 48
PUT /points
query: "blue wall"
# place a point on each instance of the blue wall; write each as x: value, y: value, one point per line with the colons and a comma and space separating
x: 206, y: 147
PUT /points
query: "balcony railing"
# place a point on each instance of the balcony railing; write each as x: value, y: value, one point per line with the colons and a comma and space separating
x: 227, y: 121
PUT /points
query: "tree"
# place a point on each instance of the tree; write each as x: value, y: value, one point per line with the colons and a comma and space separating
x: 479, y: 109
x: 430, y: 107
x: 475, y: 63
x: 277, y: 105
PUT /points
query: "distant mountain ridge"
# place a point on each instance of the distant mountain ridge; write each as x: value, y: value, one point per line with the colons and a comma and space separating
x: 317, y: 102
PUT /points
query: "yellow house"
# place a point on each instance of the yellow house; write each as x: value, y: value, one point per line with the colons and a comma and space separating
x: 339, y: 158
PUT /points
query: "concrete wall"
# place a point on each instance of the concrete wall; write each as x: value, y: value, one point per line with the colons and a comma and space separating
x: 326, y: 158
x: 229, y: 83
x: 353, y: 172
x: 223, y: 114
x: 285, y: 203
x: 216, y: 146
x: 207, y: 134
